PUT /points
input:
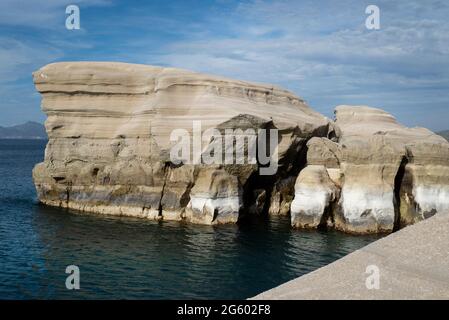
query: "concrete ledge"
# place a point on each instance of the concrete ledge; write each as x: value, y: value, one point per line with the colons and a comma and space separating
x: 413, y: 263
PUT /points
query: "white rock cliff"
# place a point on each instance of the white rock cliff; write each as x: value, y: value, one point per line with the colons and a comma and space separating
x: 380, y: 175
x: 109, y: 127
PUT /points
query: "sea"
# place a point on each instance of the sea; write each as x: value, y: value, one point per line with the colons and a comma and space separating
x: 126, y: 258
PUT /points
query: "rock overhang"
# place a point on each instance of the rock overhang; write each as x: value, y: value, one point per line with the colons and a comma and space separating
x: 109, y: 127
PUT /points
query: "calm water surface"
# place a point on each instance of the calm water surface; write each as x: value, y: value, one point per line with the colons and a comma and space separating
x: 138, y: 259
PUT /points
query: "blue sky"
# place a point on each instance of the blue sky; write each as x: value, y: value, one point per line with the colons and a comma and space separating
x: 320, y: 50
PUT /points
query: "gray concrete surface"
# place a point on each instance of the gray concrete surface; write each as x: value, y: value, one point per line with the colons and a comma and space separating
x: 413, y: 263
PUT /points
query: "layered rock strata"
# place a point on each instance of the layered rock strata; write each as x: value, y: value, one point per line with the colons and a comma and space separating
x: 109, y: 127
x: 378, y: 177
x: 111, y: 151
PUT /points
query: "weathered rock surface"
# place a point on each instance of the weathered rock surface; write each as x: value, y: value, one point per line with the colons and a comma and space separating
x: 387, y: 175
x: 110, y: 147
x: 315, y: 193
x: 109, y: 127
x: 215, y: 198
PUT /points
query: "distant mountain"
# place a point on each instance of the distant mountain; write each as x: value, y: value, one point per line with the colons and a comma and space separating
x: 444, y: 134
x: 29, y: 130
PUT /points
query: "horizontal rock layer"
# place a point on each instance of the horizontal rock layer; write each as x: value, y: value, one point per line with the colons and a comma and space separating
x: 378, y: 177
x: 110, y: 125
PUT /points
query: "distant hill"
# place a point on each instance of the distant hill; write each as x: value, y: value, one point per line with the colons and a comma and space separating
x: 29, y: 130
x: 444, y: 134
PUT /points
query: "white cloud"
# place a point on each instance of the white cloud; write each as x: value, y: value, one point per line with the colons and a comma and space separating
x: 324, y: 53
x: 321, y: 51
x: 17, y: 58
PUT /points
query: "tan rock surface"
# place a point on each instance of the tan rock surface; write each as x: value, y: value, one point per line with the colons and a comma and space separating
x: 315, y: 194
x: 389, y: 175
x: 109, y: 127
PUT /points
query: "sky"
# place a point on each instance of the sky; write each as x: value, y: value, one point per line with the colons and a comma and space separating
x: 320, y: 50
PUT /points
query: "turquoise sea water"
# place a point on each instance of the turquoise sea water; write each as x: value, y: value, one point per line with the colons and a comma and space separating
x: 124, y: 258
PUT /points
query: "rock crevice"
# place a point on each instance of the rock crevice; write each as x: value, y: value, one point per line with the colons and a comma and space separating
x: 383, y: 175
x: 116, y: 119
x: 110, y: 124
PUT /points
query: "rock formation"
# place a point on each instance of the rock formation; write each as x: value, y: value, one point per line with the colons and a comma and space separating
x: 111, y: 146
x: 109, y: 128
x: 378, y: 177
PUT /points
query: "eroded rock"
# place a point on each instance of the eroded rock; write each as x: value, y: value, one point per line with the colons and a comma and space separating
x: 388, y: 175
x: 109, y: 151
x: 315, y: 194
x: 109, y: 127
x: 216, y: 198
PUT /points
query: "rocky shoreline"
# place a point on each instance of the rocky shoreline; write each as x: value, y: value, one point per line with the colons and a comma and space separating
x: 109, y: 127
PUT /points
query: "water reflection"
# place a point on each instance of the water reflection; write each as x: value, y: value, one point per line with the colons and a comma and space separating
x: 139, y: 259
x: 133, y: 258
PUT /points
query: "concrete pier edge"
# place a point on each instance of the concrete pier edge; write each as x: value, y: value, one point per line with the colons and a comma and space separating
x: 412, y: 263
